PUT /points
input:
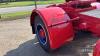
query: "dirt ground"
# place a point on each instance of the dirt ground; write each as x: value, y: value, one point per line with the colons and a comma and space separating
x: 16, y: 39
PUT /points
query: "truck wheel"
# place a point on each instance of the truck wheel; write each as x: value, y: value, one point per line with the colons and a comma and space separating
x: 41, y: 33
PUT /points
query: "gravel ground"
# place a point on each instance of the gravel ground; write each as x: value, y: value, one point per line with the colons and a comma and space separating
x: 16, y: 39
x: 13, y: 33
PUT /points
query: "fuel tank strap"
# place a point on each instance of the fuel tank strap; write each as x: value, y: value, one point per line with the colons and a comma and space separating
x: 92, y: 13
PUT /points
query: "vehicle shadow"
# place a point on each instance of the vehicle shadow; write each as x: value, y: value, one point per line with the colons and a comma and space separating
x: 82, y: 45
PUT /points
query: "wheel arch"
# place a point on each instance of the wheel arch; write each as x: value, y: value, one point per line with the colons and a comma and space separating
x: 48, y: 19
x: 32, y: 18
x: 56, y: 21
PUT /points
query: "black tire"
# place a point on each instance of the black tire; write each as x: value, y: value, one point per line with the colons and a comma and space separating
x: 38, y: 23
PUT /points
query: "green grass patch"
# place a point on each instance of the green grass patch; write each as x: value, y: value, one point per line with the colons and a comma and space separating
x: 28, y: 3
x: 16, y: 15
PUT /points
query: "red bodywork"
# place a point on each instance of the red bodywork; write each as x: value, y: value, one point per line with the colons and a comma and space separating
x: 63, y: 20
x: 97, y: 49
x: 56, y: 22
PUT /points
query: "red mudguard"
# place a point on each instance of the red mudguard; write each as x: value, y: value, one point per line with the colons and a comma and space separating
x: 59, y: 28
x: 97, y: 49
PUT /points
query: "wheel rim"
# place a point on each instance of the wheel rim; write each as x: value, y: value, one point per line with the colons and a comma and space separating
x: 41, y: 34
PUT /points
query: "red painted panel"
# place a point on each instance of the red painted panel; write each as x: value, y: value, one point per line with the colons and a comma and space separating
x: 92, y: 23
x: 53, y: 15
x: 97, y: 49
x: 60, y: 34
x: 81, y: 0
x: 57, y: 25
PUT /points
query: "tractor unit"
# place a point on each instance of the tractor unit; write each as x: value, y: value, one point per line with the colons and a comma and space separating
x: 57, y: 24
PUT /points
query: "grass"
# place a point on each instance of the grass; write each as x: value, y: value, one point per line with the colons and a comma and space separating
x: 28, y: 3
x: 23, y: 14
x: 16, y: 15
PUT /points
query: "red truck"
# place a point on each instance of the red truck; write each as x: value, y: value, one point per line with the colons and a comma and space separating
x: 57, y: 24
